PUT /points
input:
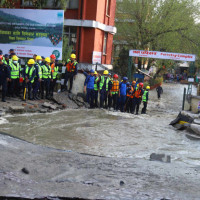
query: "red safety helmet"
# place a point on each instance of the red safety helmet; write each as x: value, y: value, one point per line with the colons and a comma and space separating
x: 141, y: 84
x: 52, y: 56
x: 115, y: 76
x: 1, y: 57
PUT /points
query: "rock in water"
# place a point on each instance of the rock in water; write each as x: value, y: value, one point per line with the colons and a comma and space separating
x: 121, y: 183
x: 160, y: 157
x: 195, y: 128
x: 25, y: 171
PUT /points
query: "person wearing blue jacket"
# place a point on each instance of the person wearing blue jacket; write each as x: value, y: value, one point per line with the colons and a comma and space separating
x: 123, y: 88
x: 89, y: 87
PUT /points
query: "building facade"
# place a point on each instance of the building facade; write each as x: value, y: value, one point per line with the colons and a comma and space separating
x: 89, y: 25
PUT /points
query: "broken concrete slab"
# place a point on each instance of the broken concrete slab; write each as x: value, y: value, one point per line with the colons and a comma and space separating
x: 17, y: 109
x: 48, y: 105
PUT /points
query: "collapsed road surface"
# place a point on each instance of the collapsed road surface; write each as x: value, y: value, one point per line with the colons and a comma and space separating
x: 119, y: 145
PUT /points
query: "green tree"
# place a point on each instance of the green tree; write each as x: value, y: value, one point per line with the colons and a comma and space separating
x: 67, y: 49
x: 158, y: 24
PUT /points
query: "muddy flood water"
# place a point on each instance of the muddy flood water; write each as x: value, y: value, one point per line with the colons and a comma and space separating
x: 111, y: 134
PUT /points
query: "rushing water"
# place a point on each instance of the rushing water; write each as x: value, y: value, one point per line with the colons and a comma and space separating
x: 111, y: 134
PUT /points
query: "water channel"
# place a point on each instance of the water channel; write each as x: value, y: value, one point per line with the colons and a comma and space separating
x: 111, y: 134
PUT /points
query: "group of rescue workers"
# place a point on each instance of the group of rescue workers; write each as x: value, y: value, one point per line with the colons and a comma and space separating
x: 39, y: 76
x: 119, y: 95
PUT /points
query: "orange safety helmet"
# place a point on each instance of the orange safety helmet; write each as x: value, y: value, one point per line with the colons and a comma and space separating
x: 134, y: 82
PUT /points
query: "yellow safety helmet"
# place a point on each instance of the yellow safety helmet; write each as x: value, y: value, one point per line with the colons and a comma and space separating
x: 73, y: 56
x: 38, y: 58
x: 95, y: 72
x: 148, y: 87
x: 105, y: 72
x: 31, y: 62
x: 47, y: 59
x: 15, y: 58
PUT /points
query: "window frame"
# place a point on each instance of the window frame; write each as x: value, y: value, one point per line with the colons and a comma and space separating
x: 105, y: 41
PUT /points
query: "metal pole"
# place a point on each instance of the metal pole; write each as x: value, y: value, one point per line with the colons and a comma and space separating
x: 184, y: 93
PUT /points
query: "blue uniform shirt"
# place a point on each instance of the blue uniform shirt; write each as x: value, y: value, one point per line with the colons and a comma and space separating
x: 89, y: 81
x: 122, y: 87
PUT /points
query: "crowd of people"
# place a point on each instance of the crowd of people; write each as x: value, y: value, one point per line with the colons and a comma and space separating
x: 38, y: 79
x: 119, y: 95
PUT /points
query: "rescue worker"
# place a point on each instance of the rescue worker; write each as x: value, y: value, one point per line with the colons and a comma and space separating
x: 109, y: 93
x: 12, y: 53
x: 159, y: 91
x: 96, y: 89
x: 104, y: 88
x: 4, y: 77
x: 129, y: 91
x: 43, y: 60
x: 29, y: 73
x: 6, y: 60
x: 15, y: 74
x: 145, y: 99
x: 122, y: 87
x: 137, y: 98
x: 55, y: 70
x: 53, y: 58
x: 115, y: 93
x: 38, y: 77
x: 34, y: 57
x: 71, y: 71
x: 1, y: 52
x: 132, y: 95
x: 89, y: 88
x: 46, y: 78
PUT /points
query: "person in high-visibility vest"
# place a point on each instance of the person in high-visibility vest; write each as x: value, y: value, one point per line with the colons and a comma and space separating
x: 145, y: 99
x: 138, y: 98
x: 29, y: 75
x: 47, y: 77
x: 128, y: 97
x: 115, y: 93
x: 104, y: 86
x: 55, y: 70
x: 38, y: 77
x: 71, y: 71
x: 4, y: 77
x: 96, y: 89
x: 15, y: 74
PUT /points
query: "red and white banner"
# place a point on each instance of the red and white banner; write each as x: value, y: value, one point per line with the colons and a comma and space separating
x: 162, y: 55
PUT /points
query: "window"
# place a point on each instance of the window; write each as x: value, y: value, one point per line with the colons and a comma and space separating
x: 27, y: 3
x: 71, y: 33
x: 73, y: 4
x: 108, y: 8
x: 105, y: 43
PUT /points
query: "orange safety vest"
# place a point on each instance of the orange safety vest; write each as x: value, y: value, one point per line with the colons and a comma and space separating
x: 115, y: 86
x: 52, y: 67
x: 138, y: 93
x: 70, y: 66
x: 132, y: 94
